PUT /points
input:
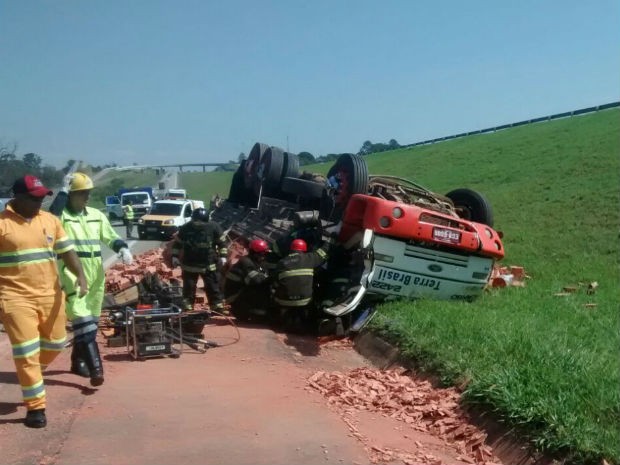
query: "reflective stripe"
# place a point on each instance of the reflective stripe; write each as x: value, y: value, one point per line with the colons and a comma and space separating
x: 223, y: 251
x: 26, y: 349
x: 35, y: 391
x: 63, y: 245
x: 233, y: 277
x: 232, y: 298
x: 321, y: 253
x: 300, y: 272
x: 83, y: 319
x: 89, y: 328
x: 340, y: 280
x: 56, y: 345
x: 212, y: 267
x: 26, y: 257
x: 251, y: 274
x: 93, y: 254
x: 293, y: 303
x: 78, y: 242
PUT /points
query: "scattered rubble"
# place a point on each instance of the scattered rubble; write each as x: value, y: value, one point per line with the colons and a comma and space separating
x: 502, y: 276
x: 416, y: 403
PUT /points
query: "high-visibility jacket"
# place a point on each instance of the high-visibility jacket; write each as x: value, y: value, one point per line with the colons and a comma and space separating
x: 88, y: 230
x: 243, y: 275
x: 128, y: 210
x: 201, y: 244
x: 28, y: 250
x: 295, y: 277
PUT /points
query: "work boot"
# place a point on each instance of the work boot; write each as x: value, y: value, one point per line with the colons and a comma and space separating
x: 78, y: 365
x: 35, y: 418
x: 94, y: 363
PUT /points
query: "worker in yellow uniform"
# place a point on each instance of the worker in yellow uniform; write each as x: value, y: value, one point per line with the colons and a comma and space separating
x: 128, y: 217
x: 32, y: 304
x: 88, y: 228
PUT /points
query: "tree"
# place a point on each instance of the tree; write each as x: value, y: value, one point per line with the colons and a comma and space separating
x: 305, y: 158
x: 366, y: 148
x: 393, y: 144
x: 32, y: 162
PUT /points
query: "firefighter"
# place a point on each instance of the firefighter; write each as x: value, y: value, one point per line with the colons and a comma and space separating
x: 88, y: 227
x: 245, y: 288
x: 202, y: 242
x: 32, y: 304
x: 294, y: 285
x: 128, y: 217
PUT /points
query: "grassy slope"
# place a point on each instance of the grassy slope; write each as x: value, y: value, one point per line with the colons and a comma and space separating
x: 545, y: 364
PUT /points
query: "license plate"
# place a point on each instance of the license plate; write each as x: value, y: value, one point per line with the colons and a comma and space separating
x: 151, y: 229
x: 152, y: 348
x: 446, y: 235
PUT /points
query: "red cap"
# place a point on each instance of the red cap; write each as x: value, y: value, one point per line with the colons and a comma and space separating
x: 32, y: 185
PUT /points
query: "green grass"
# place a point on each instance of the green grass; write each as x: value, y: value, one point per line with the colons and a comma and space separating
x: 547, y: 366
x: 202, y: 186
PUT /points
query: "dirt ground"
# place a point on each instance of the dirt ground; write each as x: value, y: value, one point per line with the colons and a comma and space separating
x: 262, y: 397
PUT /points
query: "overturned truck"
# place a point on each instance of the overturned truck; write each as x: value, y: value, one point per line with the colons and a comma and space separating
x: 394, y: 238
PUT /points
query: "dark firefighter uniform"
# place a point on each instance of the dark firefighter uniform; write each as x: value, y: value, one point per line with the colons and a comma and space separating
x: 246, y: 288
x: 294, y: 286
x: 202, y: 242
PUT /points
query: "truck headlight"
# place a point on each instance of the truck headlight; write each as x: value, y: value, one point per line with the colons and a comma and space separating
x: 168, y: 222
x: 140, y: 221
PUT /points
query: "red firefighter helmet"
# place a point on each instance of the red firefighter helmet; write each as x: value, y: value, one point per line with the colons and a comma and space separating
x: 259, y: 246
x: 299, y: 245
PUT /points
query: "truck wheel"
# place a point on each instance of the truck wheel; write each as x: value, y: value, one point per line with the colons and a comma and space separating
x: 472, y: 205
x: 269, y: 171
x: 251, y: 165
x: 351, y: 172
x: 291, y: 166
x: 302, y: 187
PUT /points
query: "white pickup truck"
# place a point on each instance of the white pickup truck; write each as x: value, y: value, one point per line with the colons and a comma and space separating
x: 166, y: 217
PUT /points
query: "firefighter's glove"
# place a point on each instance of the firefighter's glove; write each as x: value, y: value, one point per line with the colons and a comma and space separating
x: 222, y: 262
x: 125, y: 255
x: 176, y: 262
x: 66, y: 182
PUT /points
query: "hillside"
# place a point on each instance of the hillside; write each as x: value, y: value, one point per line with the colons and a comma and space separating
x: 546, y: 364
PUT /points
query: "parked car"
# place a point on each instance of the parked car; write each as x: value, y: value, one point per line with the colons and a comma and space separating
x: 166, y: 217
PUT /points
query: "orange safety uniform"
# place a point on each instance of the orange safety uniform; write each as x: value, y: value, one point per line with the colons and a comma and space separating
x: 32, y: 304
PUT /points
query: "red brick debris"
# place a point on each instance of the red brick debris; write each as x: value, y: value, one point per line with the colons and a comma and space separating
x: 417, y: 403
x: 120, y: 276
x: 502, y: 276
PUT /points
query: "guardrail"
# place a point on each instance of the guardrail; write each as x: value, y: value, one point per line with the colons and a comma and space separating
x: 566, y: 114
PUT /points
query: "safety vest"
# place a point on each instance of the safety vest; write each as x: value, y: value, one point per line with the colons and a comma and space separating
x: 128, y: 212
x: 88, y: 229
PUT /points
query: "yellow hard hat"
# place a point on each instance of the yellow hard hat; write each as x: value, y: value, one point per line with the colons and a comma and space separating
x: 81, y: 182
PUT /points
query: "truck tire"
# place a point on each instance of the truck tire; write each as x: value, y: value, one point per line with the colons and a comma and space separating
x: 251, y: 165
x: 269, y: 171
x: 352, y: 173
x: 291, y: 166
x: 472, y: 205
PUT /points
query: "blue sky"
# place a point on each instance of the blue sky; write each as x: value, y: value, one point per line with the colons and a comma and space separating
x: 153, y: 81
